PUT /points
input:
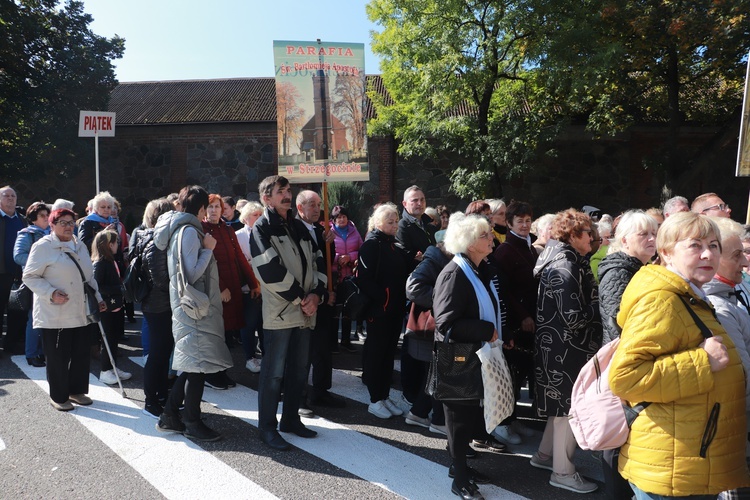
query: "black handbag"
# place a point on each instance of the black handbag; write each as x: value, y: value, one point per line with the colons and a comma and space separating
x: 349, y: 294
x: 20, y: 297
x: 353, y: 299
x: 92, y: 305
x: 456, y: 371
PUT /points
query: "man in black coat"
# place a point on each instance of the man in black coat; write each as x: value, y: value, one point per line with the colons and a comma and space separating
x: 11, y: 221
x: 415, y: 233
x: 308, y: 211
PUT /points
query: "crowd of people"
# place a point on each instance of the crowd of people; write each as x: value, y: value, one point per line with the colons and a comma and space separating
x: 552, y: 289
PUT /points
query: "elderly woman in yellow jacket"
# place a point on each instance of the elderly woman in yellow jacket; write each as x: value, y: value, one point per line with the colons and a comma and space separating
x: 691, y: 440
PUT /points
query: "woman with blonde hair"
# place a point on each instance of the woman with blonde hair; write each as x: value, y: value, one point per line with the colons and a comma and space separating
x: 382, y: 272
x: 675, y: 355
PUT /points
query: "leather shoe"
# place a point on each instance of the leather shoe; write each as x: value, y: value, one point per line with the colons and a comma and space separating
x: 474, y: 475
x: 274, y: 440
x: 327, y: 399
x: 298, y: 429
x: 466, y: 491
x: 36, y: 362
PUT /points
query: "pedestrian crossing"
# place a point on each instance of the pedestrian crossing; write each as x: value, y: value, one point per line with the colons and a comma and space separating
x: 179, y: 468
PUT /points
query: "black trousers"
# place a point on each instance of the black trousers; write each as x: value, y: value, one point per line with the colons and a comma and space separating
x: 321, y: 359
x: 424, y: 402
x: 156, y: 372
x: 114, y: 328
x: 189, y: 388
x: 461, y: 421
x: 378, y: 355
x: 68, y: 361
x: 16, y: 320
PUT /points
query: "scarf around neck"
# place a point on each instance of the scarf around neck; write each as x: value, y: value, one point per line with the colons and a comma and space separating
x: 487, y: 311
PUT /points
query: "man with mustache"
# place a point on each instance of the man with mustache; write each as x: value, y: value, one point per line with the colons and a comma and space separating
x: 291, y: 271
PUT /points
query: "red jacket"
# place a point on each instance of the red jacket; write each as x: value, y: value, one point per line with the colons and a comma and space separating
x: 234, y: 271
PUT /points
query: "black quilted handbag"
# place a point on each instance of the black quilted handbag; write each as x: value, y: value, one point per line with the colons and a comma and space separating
x: 455, y: 372
x: 20, y: 297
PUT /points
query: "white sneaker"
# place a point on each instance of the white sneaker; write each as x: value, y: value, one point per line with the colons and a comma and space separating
x: 439, y: 429
x: 572, y: 482
x: 379, y: 410
x: 541, y: 463
x: 108, y: 377
x: 412, y: 419
x: 393, y: 407
x: 123, y: 374
x: 505, y: 434
x: 253, y: 364
x: 519, y: 428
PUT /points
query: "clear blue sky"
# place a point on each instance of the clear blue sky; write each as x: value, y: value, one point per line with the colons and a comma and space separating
x: 191, y: 39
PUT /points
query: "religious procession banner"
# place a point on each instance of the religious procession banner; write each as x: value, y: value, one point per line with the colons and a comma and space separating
x: 320, y: 111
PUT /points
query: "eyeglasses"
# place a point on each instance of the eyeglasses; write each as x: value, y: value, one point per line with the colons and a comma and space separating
x: 722, y: 207
x: 65, y: 223
x: 486, y: 236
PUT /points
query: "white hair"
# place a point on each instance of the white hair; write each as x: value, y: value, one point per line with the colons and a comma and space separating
x: 631, y: 222
x: 671, y: 205
x: 728, y: 228
x: 380, y: 215
x: 495, y: 204
x: 463, y: 231
x: 62, y: 203
x: 250, y: 207
x: 103, y: 196
x: 540, y: 226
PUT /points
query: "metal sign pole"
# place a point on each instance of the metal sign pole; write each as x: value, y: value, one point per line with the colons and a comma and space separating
x: 96, y: 154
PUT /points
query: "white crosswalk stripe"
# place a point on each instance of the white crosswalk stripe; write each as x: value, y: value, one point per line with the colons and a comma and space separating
x: 352, y: 451
x: 174, y: 465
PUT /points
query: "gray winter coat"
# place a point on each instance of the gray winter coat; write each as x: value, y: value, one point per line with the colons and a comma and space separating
x: 735, y: 319
x: 199, y: 345
x: 615, y: 272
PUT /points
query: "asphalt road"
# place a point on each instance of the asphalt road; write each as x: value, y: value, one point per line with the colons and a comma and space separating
x: 111, y: 450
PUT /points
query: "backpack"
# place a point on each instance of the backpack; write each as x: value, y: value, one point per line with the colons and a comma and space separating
x: 599, y: 419
x: 137, y: 283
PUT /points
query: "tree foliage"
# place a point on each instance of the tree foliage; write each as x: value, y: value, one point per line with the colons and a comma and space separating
x: 51, y: 67
x: 290, y: 116
x: 495, y: 81
x: 449, y: 65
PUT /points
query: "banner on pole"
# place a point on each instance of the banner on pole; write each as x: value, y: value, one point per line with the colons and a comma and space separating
x: 743, y: 152
x: 93, y: 123
x: 320, y: 111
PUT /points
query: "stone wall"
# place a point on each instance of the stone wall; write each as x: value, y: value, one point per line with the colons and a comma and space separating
x: 146, y: 162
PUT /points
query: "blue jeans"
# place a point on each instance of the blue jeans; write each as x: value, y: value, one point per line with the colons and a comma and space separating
x: 642, y: 495
x: 285, y: 354
x: 33, y: 338
x: 253, y: 309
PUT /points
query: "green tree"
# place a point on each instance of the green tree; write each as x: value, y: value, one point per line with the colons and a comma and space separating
x: 617, y: 63
x: 450, y: 67
x: 51, y: 67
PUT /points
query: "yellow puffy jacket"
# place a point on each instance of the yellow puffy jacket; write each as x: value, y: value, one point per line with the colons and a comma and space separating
x: 658, y: 360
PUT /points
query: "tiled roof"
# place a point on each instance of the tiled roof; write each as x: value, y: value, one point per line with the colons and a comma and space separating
x: 203, y: 101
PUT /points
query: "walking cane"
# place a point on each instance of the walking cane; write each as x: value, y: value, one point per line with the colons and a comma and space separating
x: 111, y: 359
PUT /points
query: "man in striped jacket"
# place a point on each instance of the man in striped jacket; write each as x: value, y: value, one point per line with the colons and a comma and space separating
x: 291, y: 272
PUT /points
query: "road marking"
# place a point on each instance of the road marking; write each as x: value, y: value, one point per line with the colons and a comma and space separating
x: 379, y: 463
x: 173, y: 464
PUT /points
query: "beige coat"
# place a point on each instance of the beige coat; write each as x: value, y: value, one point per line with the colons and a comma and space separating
x: 49, y: 269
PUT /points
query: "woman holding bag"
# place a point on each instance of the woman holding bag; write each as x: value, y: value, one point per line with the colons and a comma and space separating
x: 466, y: 308
x: 53, y: 273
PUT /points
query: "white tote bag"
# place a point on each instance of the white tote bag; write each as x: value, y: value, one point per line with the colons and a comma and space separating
x: 499, y: 398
